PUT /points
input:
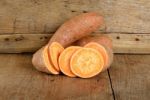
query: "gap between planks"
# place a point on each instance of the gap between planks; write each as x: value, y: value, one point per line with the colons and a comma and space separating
x: 111, y: 84
x: 129, y: 75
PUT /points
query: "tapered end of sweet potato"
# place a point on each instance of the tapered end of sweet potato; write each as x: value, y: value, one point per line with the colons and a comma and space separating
x: 41, y: 61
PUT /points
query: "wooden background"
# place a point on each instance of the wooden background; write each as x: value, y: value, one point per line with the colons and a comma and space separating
x: 26, y: 25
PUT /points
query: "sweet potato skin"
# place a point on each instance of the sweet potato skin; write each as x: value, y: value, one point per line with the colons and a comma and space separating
x: 101, y: 39
x: 38, y: 61
x: 76, y: 28
x: 111, y: 56
x: 42, y: 62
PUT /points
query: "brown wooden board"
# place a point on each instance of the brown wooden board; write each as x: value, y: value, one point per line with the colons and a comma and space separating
x: 21, y: 81
x: 28, y: 16
x: 126, y: 18
x: 122, y: 43
x: 130, y: 77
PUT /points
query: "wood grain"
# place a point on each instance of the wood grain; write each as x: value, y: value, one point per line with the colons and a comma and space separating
x: 18, y: 43
x: 123, y: 43
x: 131, y: 43
x: 40, y: 16
x: 130, y: 77
x: 21, y: 81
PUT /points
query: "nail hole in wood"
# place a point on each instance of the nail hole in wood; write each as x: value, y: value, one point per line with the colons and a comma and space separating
x: 52, y: 80
x: 137, y: 39
x: 117, y: 37
x: 6, y: 39
x: 46, y: 37
x: 41, y: 38
x: 98, y: 80
x: 19, y: 38
x: 36, y: 2
x: 73, y: 11
x: 84, y: 11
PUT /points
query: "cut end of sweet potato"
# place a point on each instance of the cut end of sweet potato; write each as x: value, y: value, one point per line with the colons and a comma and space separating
x: 100, y: 48
x: 55, y: 50
x: 107, y: 55
x: 42, y: 62
x: 64, y: 60
x: 86, y: 63
x: 110, y: 60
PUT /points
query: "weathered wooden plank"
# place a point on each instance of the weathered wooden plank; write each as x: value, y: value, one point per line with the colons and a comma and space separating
x: 38, y: 16
x: 20, y: 81
x: 123, y: 43
x: 130, y: 77
x: 17, y: 43
x: 131, y: 43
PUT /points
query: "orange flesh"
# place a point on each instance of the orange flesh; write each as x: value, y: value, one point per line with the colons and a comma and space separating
x: 64, y: 60
x: 101, y: 49
x: 54, y: 51
x: 86, y: 63
x: 48, y: 62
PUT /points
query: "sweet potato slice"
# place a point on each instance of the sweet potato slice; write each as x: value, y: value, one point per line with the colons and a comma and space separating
x: 55, y: 50
x: 42, y: 62
x: 64, y: 60
x: 105, y: 43
x: 86, y: 62
x: 76, y: 28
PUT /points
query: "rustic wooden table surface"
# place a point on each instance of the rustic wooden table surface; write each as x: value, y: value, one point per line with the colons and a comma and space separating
x: 127, y: 79
x: 27, y: 25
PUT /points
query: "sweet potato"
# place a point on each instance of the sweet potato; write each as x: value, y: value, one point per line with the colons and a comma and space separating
x: 76, y: 28
x: 106, y: 53
x: 101, y: 39
x: 64, y: 60
x: 54, y: 51
x: 42, y: 62
x: 86, y: 62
